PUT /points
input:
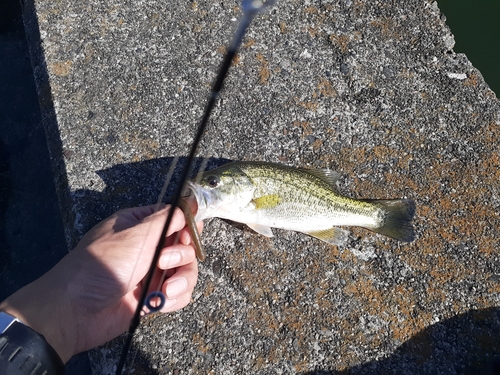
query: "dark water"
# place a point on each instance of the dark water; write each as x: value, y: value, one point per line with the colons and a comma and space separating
x: 477, y: 34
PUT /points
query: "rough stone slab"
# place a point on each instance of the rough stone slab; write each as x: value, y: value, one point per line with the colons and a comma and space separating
x: 371, y: 89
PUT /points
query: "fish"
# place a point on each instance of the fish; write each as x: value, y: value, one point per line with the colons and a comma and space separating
x: 266, y: 195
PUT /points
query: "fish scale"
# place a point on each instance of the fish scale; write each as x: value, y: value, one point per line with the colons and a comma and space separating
x: 264, y: 195
x: 307, y: 197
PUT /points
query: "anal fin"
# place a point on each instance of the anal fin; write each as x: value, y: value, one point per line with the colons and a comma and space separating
x: 262, y: 229
x: 333, y: 235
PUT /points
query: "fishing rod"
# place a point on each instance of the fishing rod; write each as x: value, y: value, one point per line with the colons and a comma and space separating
x: 250, y: 8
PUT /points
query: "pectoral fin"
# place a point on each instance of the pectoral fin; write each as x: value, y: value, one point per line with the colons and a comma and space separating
x: 333, y: 236
x: 266, y: 201
x: 262, y: 229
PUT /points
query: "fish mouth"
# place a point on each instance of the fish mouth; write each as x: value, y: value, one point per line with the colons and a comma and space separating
x: 202, y: 199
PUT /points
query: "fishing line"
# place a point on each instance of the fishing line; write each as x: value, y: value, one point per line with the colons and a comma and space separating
x: 170, y: 173
x: 156, y: 300
x: 250, y: 8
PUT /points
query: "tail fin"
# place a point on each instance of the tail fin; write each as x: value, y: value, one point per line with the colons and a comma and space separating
x: 397, y: 221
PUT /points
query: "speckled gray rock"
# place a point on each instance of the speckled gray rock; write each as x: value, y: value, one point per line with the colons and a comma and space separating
x: 371, y: 89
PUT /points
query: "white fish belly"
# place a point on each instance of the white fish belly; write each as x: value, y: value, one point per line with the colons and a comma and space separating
x: 306, y: 219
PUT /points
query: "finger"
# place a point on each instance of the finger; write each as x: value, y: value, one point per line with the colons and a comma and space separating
x: 177, y: 289
x: 152, y: 226
x: 121, y: 221
x: 183, y: 281
x: 176, y: 255
x: 140, y: 213
x: 159, y: 218
x: 185, y: 236
x: 158, y: 280
x: 192, y: 208
x: 176, y: 303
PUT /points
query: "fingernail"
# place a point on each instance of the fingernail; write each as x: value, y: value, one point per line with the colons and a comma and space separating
x: 170, y: 259
x: 176, y: 287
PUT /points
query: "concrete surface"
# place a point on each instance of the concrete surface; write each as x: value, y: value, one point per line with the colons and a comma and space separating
x: 370, y: 89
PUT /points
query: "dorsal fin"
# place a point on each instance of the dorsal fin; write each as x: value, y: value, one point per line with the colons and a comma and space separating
x: 326, y: 175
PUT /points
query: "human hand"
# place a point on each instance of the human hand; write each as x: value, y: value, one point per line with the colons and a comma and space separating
x: 90, y: 296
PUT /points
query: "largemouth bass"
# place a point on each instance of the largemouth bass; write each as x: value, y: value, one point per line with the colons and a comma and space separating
x: 267, y: 195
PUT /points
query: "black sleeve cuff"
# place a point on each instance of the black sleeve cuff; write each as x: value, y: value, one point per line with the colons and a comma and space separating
x: 24, y: 351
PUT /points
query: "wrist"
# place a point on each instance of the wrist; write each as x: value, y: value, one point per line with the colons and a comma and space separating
x: 36, y: 305
x: 25, y: 350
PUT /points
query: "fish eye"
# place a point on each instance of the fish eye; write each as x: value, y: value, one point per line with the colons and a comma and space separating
x: 212, y: 181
